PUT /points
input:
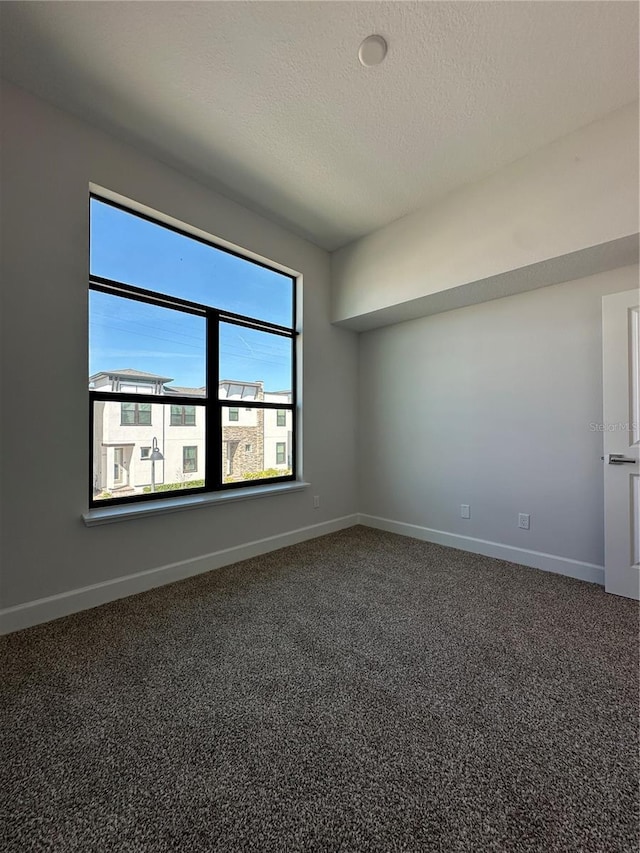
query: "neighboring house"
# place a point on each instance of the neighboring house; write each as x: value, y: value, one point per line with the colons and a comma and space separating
x: 278, y: 432
x: 126, y: 433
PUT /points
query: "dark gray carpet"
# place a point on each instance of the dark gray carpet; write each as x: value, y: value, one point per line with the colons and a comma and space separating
x: 360, y: 692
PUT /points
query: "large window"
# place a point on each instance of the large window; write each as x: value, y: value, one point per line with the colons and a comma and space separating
x: 182, y: 336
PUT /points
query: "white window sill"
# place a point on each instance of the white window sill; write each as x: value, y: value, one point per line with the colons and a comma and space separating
x: 125, y: 512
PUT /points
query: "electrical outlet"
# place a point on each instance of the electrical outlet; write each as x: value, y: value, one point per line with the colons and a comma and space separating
x: 316, y: 501
x: 465, y: 511
x: 523, y: 520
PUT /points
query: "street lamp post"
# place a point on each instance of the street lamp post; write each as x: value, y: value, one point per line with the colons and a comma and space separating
x: 156, y: 456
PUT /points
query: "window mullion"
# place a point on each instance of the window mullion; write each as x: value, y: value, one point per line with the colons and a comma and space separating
x: 150, y: 297
x: 133, y: 397
x: 213, y: 425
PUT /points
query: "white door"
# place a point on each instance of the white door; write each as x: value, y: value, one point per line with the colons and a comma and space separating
x: 621, y: 442
x: 119, y: 472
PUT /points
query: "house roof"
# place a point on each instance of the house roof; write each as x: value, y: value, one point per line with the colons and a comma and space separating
x: 255, y: 384
x: 130, y: 373
x: 183, y: 389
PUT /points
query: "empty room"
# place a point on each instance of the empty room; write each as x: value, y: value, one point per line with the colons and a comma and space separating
x: 320, y: 487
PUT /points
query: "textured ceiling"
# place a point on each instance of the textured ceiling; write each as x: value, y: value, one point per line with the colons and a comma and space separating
x: 266, y: 101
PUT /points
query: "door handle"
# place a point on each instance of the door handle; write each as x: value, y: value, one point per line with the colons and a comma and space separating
x: 618, y: 459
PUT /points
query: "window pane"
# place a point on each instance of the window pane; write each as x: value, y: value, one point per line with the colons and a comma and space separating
x: 123, y: 452
x: 253, y: 364
x: 250, y: 450
x: 129, y: 249
x: 140, y: 348
x: 278, y: 436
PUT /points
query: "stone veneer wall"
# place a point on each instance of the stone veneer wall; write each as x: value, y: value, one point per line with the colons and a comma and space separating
x: 244, y: 461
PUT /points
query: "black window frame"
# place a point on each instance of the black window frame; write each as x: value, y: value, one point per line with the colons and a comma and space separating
x: 210, y: 401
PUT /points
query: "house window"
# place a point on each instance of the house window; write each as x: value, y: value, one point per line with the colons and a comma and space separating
x: 135, y: 414
x: 189, y: 459
x: 281, y: 417
x: 172, y: 298
x: 183, y: 415
x: 281, y: 452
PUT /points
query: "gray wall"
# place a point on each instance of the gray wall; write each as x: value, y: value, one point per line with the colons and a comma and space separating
x: 490, y: 405
x: 48, y: 160
x: 577, y: 192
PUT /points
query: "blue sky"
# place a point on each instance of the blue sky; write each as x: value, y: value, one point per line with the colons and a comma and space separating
x: 124, y: 333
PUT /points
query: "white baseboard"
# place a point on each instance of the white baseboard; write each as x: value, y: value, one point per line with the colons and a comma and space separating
x: 45, y: 609
x: 523, y: 556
